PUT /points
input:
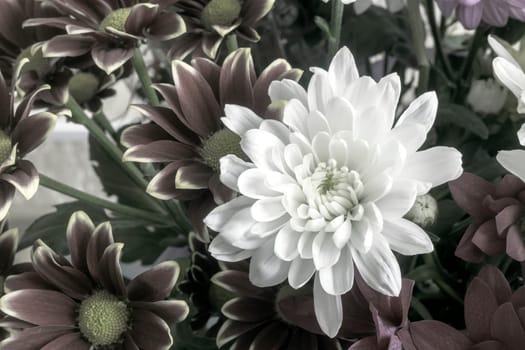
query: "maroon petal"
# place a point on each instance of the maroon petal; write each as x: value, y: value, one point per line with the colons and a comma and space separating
x: 142, y: 134
x: 110, y: 59
x: 129, y: 343
x: 299, y: 311
x: 167, y: 25
x: 273, y: 72
x: 140, y: 17
x: 110, y: 273
x: 150, y: 332
x: 210, y: 71
x: 488, y: 345
x: 26, y: 280
x: 237, y: 79
x: 506, y: 327
x: 236, y: 282
x: 24, y: 178
x: 5, y: 102
x: 201, y: 110
x: 497, y: 282
x: 509, y: 186
x: 162, y: 186
x: 515, y: 246
x: 254, y: 10
x: 248, y: 310
x: 198, y: 209
x: 7, y: 192
x: 467, y: 250
x: 26, y: 105
x: 194, y: 176
x: 31, y: 132
x: 101, y: 238
x: 154, y: 284
x: 170, y: 311
x: 231, y: 330
x: 163, y: 151
x: 221, y: 193
x: 34, y: 338
x: 78, y: 234
x: 8, y: 247
x: 368, y: 343
x: 40, y: 307
x: 487, y: 239
x: 272, y: 336
x: 437, y: 336
x: 71, y: 45
x: 68, y: 342
x: 184, y: 45
x: 480, y: 305
x: 507, y: 217
x: 469, y: 191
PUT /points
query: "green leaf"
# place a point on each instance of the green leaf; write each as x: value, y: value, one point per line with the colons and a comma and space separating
x: 464, y: 118
x: 185, y: 339
x: 323, y: 25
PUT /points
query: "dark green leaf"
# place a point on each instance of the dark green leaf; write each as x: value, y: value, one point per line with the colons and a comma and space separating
x: 464, y: 118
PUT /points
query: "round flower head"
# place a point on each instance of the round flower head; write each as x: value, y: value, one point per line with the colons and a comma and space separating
x: 188, y: 134
x: 326, y: 189
x: 108, y: 30
x: 492, y: 12
x: 210, y: 21
x: 85, y: 304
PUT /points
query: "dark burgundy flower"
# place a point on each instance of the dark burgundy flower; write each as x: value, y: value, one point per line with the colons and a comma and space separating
x: 497, y: 212
x: 188, y: 135
x: 8, y: 247
x: 109, y: 30
x: 85, y: 304
x: 20, y: 133
x: 210, y: 21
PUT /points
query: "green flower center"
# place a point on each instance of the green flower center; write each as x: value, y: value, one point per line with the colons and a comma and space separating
x: 83, y: 87
x: 221, y: 12
x: 5, y: 146
x: 220, y: 144
x: 37, y: 62
x: 103, y: 318
x: 116, y: 19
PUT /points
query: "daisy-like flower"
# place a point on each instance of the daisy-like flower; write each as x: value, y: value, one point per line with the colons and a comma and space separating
x: 361, y: 6
x: 326, y: 190
x: 20, y: 133
x: 8, y: 247
x: 188, y: 135
x: 85, y: 304
x: 492, y: 12
x: 210, y: 21
x: 108, y: 30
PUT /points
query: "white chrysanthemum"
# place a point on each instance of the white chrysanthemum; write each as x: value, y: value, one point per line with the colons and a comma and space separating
x: 326, y: 189
x: 361, y: 6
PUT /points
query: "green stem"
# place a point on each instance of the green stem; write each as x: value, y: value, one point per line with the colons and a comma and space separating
x: 336, y: 22
x: 88, y: 198
x: 105, y: 124
x: 421, y: 309
x: 418, y: 37
x: 438, y: 43
x: 231, y: 43
x: 142, y: 72
x: 466, y: 69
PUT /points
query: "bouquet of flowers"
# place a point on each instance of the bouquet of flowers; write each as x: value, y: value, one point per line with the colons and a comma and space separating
x: 301, y: 175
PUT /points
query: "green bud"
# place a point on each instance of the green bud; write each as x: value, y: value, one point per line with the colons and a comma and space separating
x: 83, y: 86
x: 424, y: 212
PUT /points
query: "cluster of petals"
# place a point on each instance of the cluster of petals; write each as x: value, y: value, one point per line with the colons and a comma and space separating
x: 471, y: 13
x: 325, y: 191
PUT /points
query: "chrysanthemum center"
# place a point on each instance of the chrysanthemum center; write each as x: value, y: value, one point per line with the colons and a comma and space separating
x: 83, y: 87
x: 221, y: 12
x: 218, y: 145
x: 116, y: 19
x: 103, y: 318
x: 5, y: 146
x: 333, y: 191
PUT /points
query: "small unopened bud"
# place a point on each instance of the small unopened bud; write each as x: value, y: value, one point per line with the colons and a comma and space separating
x: 424, y: 212
x: 83, y: 87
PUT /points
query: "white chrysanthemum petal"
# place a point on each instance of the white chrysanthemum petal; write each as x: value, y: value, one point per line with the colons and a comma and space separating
x: 268, y: 209
x: 319, y: 92
x: 321, y: 146
x: 222, y: 214
x: 342, y: 70
x: 435, y: 165
x: 276, y: 128
x: 240, y: 119
x: 340, y: 115
x: 231, y: 168
x: 264, y: 229
x: 406, y: 238
x: 239, y: 223
x: 339, y: 278
x: 295, y: 116
x: 521, y: 135
x: 377, y: 187
x: 306, y: 243
x: 225, y: 251
x: 362, y: 93
x: 293, y: 156
x: 301, y: 271
x: 362, y: 236
x: 500, y: 50
x: 342, y: 234
x: 379, y: 268
x: 338, y: 151
x: 422, y: 111
x: 513, y: 161
x: 286, y: 90
x: 266, y: 269
x: 411, y: 136
x: 257, y: 145
x: 286, y: 243
x: 399, y: 200
x: 328, y: 310
x: 316, y: 123
x: 252, y: 183
x: 509, y: 75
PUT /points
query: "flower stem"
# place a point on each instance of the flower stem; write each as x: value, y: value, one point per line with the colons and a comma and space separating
x: 231, y: 43
x: 336, y: 22
x: 418, y: 37
x: 466, y: 69
x: 104, y: 123
x: 142, y: 72
x: 438, y: 43
x: 88, y: 198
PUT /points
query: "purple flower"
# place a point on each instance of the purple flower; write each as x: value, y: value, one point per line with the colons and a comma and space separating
x: 493, y: 12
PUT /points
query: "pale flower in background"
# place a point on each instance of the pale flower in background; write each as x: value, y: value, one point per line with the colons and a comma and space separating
x: 324, y: 192
x: 361, y: 6
x: 486, y: 96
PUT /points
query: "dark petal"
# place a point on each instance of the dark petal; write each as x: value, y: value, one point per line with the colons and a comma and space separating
x: 184, y: 45
x: 5, y: 102
x: 111, y: 59
x: 497, y: 282
x: 515, y: 246
x: 518, y: 300
x: 198, y: 209
x: 272, y: 337
x: 78, y: 234
x: 40, y: 307
x: 142, y: 134
x: 70, y: 45
x: 194, y: 176
x: 237, y: 79
x: 385, y: 329
x: 436, y: 335
x: 498, y: 204
x: 8, y: 247
x: 238, y: 283
x: 150, y: 332
x: 488, y: 345
x: 167, y: 25
x: 507, y: 217
x: 248, y: 33
x: 254, y: 10
x: 141, y: 16
x: 506, y: 327
x: 210, y: 71
x: 231, y: 330
x: 368, y: 343
x: 26, y: 280
x: 197, y: 101
x: 168, y: 121
x: 68, y: 342
x: 299, y: 311
x: 509, y: 186
x: 154, y: 284
x: 469, y: 191
x: 163, y: 151
x: 129, y: 343
x: 7, y: 192
x: 210, y: 44
x: 170, y: 311
x: 487, y: 239
x: 260, y: 90
x: 467, y: 250
x: 34, y: 338
x: 248, y: 310
x: 26, y: 105
x: 162, y: 186
x: 110, y: 272
x: 57, y: 22
x: 221, y: 193
x: 69, y: 280
x: 406, y: 339
x: 24, y: 178
x: 480, y: 305
x: 101, y: 238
